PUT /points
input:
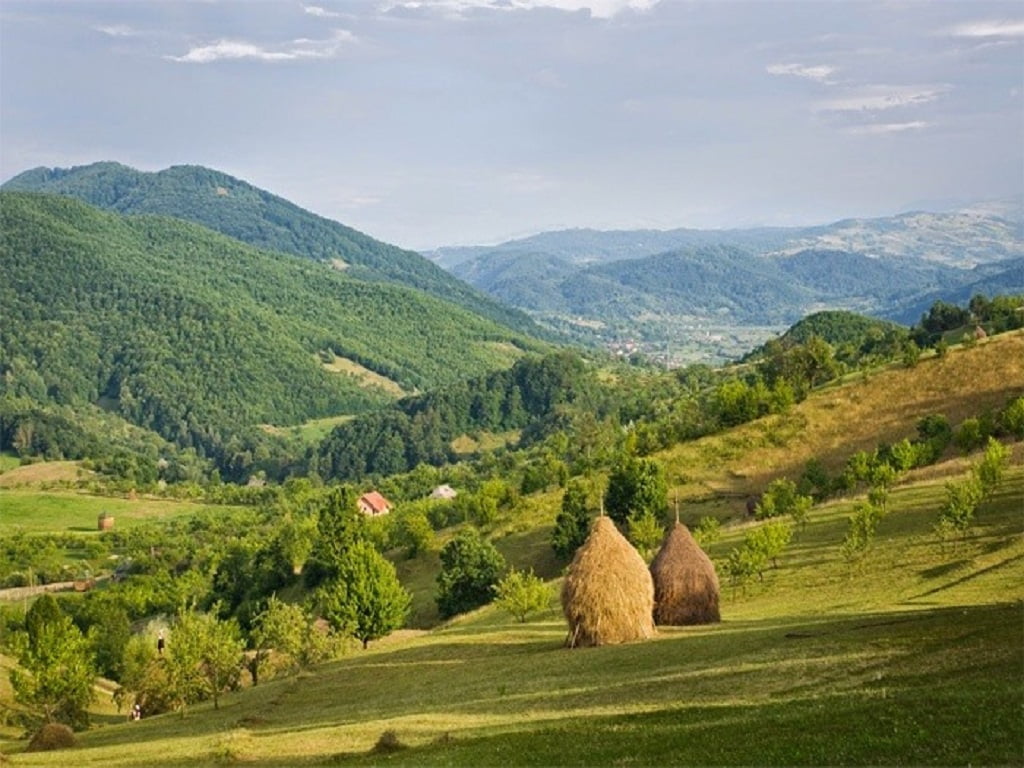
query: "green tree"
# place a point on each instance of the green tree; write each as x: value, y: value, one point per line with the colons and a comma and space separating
x: 769, y: 539
x: 55, y: 674
x: 989, y: 470
x: 645, y: 532
x: 470, y: 567
x: 636, y: 486
x: 282, y: 629
x: 203, y: 658
x: 521, y: 593
x: 413, y: 531
x: 366, y: 600
x: 781, y: 498
x: 573, y: 520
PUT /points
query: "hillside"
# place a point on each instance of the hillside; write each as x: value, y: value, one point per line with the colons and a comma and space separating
x: 238, y: 209
x: 692, y: 295
x: 909, y: 655
x: 196, y: 335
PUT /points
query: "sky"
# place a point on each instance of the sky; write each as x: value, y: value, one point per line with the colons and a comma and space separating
x: 453, y: 122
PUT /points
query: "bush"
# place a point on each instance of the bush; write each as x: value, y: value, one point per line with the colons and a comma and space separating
x: 50, y: 737
x: 388, y: 742
x: 521, y: 593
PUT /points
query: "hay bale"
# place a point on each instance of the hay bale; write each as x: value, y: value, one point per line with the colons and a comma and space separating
x: 685, y: 582
x: 51, y: 736
x: 607, y: 596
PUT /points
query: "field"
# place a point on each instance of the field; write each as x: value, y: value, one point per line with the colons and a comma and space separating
x: 911, y: 657
x: 34, y: 511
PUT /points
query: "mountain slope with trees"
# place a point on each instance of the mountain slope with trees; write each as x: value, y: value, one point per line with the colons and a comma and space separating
x: 238, y: 209
x: 197, y: 336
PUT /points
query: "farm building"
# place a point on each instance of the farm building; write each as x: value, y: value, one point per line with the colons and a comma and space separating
x: 373, y: 504
x: 444, y: 492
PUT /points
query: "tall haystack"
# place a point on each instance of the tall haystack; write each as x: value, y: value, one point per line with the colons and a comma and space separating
x: 685, y: 582
x: 607, y: 596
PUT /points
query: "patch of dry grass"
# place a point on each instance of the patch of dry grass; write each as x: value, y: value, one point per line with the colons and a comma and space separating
x: 43, y: 472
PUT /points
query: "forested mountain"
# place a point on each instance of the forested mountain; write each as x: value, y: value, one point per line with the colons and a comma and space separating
x: 238, y: 209
x: 709, y: 294
x: 198, y: 336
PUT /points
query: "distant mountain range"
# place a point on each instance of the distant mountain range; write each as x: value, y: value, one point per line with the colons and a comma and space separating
x: 695, y: 291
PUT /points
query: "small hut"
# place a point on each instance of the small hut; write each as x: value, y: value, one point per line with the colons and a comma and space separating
x: 105, y: 522
x: 607, y: 596
x: 685, y: 582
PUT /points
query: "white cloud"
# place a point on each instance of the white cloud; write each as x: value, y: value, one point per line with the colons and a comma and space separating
x: 997, y: 28
x: 876, y: 129
x: 239, y: 49
x: 600, y: 9
x: 320, y: 12
x: 881, y: 97
x: 117, y: 30
x: 820, y: 73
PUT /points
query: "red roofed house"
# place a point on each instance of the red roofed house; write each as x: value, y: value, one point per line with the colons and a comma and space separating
x: 373, y: 504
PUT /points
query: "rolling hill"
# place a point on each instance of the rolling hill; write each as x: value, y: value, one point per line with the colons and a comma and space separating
x: 696, y: 291
x: 238, y: 209
x: 196, y: 335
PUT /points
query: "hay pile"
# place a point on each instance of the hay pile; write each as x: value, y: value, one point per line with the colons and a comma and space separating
x: 52, y: 736
x: 685, y: 582
x: 607, y: 596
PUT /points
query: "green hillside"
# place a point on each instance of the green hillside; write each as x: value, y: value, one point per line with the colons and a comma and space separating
x: 237, y: 209
x: 196, y: 335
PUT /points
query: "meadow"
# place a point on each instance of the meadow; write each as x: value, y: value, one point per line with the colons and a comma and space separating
x: 910, y: 656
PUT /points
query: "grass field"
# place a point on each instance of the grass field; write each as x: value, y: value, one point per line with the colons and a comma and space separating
x: 34, y: 511
x: 911, y: 657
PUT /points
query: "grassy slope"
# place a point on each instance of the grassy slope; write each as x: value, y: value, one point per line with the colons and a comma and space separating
x: 35, y: 511
x: 834, y: 423
x: 912, y: 658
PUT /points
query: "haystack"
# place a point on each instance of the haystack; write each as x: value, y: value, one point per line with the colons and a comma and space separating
x: 607, y: 596
x: 685, y: 582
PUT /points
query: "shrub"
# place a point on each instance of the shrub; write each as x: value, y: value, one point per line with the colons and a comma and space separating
x: 388, y: 742
x: 50, y: 737
x: 708, y: 531
x: 521, y: 593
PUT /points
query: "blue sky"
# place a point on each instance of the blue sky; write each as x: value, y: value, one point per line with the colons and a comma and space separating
x: 472, y: 121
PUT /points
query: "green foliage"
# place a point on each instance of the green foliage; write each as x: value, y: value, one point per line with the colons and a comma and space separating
x: 413, y: 530
x: 573, y: 521
x: 1012, y: 418
x: 861, y: 530
x: 286, y: 635
x: 239, y: 210
x: 636, y: 486
x: 202, y: 660
x: 470, y: 567
x: 366, y: 599
x: 781, y: 498
x: 969, y: 436
x: 150, y: 306
x: 420, y: 428
x: 962, y: 500
x: 989, y: 470
x: 645, y: 532
x: 55, y: 674
x: 708, y: 531
x: 761, y: 545
x: 520, y: 593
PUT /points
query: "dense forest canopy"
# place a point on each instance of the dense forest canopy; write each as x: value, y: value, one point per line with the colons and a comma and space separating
x: 237, y: 209
x: 195, y: 335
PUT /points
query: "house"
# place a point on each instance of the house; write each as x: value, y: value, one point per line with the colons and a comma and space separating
x: 444, y: 492
x: 373, y: 504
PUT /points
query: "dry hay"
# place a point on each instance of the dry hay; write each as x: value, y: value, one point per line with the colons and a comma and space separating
x: 51, y: 736
x: 685, y: 582
x: 607, y: 596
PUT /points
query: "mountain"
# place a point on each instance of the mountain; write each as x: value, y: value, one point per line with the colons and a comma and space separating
x: 197, y: 336
x: 707, y: 295
x: 238, y: 209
